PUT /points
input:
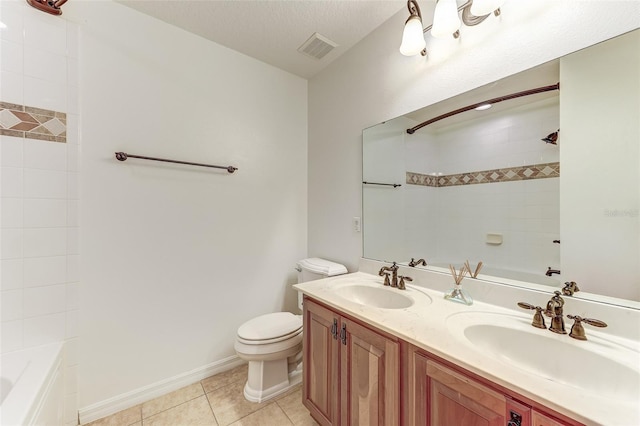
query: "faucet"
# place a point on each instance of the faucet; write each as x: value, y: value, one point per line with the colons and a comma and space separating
x: 419, y: 262
x: 555, y: 311
x: 550, y: 271
x: 394, y: 274
x: 569, y: 288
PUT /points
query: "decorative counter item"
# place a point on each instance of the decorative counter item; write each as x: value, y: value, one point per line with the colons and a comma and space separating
x: 477, y: 271
x: 458, y: 294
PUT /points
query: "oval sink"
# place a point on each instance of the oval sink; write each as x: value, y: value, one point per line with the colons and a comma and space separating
x: 597, y: 365
x: 379, y: 297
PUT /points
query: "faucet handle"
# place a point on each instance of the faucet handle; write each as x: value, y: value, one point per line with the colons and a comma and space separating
x: 386, y: 279
x: 577, y: 330
x: 538, y: 319
x: 401, y: 284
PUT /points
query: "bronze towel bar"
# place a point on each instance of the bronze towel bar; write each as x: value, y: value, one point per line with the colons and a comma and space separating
x: 383, y: 184
x: 122, y: 156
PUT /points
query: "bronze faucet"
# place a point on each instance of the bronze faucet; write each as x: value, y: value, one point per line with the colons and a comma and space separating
x: 401, y: 284
x: 577, y: 330
x: 569, y: 288
x: 419, y: 262
x: 538, y: 319
x: 394, y: 274
x: 555, y: 311
x: 550, y: 271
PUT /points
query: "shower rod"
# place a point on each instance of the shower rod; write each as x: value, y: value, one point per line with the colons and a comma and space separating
x: 122, y: 156
x: 489, y: 101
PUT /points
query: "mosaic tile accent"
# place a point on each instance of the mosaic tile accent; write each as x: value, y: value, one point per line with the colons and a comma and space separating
x: 533, y: 171
x: 32, y: 123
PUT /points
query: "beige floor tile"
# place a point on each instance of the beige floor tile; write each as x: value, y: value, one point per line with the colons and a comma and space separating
x: 172, y: 399
x: 238, y: 374
x: 269, y: 415
x: 228, y: 403
x: 192, y: 413
x: 124, y: 417
x: 295, y: 389
x: 292, y: 406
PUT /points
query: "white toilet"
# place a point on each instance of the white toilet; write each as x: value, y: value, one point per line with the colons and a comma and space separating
x: 272, y: 343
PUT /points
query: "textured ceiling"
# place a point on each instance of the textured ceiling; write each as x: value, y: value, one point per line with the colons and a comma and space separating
x: 272, y: 30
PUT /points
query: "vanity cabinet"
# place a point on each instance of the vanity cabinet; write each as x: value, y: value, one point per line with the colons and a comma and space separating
x: 352, y: 375
x: 351, y: 372
x: 539, y: 419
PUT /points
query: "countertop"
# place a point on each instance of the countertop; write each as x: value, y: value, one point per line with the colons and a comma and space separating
x: 431, y: 323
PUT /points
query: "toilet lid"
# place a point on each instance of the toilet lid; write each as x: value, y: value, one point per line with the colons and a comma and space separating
x: 270, y: 326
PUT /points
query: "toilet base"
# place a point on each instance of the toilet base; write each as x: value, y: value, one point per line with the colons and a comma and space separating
x: 268, y: 379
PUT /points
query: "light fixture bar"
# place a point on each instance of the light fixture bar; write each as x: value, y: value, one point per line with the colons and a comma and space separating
x: 490, y: 101
x: 467, y: 18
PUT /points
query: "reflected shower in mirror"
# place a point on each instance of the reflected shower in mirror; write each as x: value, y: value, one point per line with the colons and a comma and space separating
x: 505, y: 185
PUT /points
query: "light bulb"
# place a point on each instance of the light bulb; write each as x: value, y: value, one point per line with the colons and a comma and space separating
x: 485, y: 7
x: 412, y: 37
x: 445, y: 19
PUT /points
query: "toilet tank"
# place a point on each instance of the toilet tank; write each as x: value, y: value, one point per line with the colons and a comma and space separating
x: 315, y: 268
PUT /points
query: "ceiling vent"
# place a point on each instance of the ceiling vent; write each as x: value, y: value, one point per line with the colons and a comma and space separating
x: 317, y: 46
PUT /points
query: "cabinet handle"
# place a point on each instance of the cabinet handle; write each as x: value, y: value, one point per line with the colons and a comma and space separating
x: 334, y: 329
x: 343, y: 334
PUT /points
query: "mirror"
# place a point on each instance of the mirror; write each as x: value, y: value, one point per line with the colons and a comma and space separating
x: 543, y: 189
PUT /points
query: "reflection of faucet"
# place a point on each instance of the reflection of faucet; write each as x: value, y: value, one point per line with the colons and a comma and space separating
x: 569, y: 288
x: 555, y: 311
x: 551, y: 271
x: 414, y: 263
x: 394, y: 274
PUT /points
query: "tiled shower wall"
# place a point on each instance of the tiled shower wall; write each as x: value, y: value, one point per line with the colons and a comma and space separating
x: 39, y: 185
x: 492, y: 175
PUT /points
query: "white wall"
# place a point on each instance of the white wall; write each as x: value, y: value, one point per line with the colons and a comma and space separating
x: 177, y: 257
x: 600, y: 176
x: 372, y: 83
x: 39, y: 191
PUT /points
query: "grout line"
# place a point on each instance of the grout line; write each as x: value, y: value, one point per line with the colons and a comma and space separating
x: 167, y: 409
x: 210, y: 407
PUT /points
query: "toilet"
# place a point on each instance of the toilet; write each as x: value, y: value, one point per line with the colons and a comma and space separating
x: 272, y: 343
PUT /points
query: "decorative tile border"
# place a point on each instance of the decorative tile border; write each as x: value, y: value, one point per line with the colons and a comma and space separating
x: 33, y: 123
x: 533, y: 171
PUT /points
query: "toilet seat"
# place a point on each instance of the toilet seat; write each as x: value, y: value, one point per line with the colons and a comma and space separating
x: 270, y: 328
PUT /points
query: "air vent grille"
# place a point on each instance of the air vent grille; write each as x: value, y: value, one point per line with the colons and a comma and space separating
x: 317, y: 46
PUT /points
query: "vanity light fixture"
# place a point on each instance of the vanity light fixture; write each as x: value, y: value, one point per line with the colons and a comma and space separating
x: 49, y: 6
x: 446, y: 21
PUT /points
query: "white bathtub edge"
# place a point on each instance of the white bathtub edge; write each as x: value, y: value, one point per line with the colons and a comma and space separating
x: 31, y: 393
x: 138, y: 396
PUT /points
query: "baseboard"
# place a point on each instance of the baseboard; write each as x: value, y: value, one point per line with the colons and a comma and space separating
x: 138, y: 396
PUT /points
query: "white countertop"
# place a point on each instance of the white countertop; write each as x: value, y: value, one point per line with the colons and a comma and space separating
x: 430, y: 324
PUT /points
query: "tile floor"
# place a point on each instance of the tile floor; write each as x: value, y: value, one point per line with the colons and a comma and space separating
x: 217, y: 400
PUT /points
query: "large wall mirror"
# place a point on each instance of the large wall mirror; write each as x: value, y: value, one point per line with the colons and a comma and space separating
x: 543, y: 189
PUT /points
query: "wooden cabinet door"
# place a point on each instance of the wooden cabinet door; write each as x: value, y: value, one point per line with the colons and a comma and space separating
x: 369, y: 377
x: 440, y: 396
x: 320, y: 391
x: 458, y: 400
x: 539, y: 419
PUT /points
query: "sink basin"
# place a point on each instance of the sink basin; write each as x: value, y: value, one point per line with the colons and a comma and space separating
x: 378, y: 297
x: 599, y: 365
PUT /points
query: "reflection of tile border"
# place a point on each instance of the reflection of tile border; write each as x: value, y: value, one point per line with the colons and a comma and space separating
x: 533, y: 171
x: 32, y: 123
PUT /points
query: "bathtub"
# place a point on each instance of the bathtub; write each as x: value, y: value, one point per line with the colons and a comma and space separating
x: 32, y: 386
